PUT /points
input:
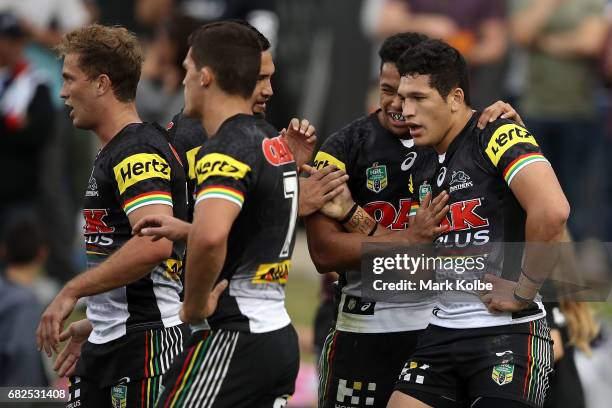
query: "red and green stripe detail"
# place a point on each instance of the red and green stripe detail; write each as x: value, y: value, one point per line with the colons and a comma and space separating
x: 325, y: 365
x: 150, y: 386
x: 189, y: 370
x: 517, y: 164
x: 151, y: 197
x: 223, y: 192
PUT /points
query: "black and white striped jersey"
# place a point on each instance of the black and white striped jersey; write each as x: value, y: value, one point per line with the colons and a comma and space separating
x: 247, y: 164
x: 138, y: 167
x: 381, y: 169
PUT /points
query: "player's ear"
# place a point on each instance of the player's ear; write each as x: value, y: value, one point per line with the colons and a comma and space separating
x: 206, y: 76
x: 456, y: 98
x: 103, y: 84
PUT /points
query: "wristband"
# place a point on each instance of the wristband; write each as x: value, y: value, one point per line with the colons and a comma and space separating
x: 521, y: 299
x: 526, y: 288
x: 360, y: 222
x: 348, y: 215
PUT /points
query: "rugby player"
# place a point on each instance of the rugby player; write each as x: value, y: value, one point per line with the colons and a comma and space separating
x: 498, y: 352
x: 365, y: 352
x: 131, y: 284
x: 187, y: 136
x: 243, y: 232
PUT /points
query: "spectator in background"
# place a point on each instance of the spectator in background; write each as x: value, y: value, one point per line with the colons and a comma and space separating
x: 563, y: 39
x: 26, y: 117
x: 24, y: 253
x: 160, y: 90
x: 477, y: 28
x: 62, y: 161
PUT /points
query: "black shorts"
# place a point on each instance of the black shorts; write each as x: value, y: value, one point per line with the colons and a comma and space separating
x: 452, y: 367
x: 225, y: 368
x: 129, y: 368
x: 139, y: 393
x: 360, y: 369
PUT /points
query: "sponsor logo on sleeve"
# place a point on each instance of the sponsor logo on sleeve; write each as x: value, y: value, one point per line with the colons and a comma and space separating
x: 139, y: 167
x: 191, y: 162
x: 504, y: 138
x: 323, y: 159
x: 220, y: 165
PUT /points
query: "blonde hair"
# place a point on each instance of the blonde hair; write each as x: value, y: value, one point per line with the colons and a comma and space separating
x: 581, y: 324
x: 113, y: 51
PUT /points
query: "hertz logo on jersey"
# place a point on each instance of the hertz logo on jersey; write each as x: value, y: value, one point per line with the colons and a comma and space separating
x: 139, y: 167
x: 272, y: 273
x: 191, y: 164
x: 323, y: 159
x: 221, y: 165
x: 504, y: 138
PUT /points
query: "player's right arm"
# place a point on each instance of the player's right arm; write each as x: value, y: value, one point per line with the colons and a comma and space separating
x: 336, y: 245
x: 147, y: 194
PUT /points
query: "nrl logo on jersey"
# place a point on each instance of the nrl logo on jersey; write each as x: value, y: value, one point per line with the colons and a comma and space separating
x: 376, y: 177
x: 459, y: 181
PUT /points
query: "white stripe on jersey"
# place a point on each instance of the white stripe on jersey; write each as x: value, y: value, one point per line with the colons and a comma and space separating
x: 108, y: 312
x: 213, y: 370
x: 265, y: 315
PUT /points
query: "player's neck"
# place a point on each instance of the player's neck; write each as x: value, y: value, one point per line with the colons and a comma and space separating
x: 114, y: 118
x: 215, y: 113
x: 459, y: 120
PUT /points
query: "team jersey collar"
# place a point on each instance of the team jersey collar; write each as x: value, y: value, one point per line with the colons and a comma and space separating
x: 237, y: 118
x: 407, y: 142
x: 467, y: 129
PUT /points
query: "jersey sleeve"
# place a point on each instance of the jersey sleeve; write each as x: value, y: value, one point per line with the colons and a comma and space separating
x: 142, y: 177
x: 509, y: 148
x: 227, y: 169
x: 333, y: 151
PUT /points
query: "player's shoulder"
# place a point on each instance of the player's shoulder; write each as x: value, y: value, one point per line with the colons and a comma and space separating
x: 502, y: 134
x: 245, y: 126
x: 139, y: 136
x: 502, y: 126
x: 185, y: 133
x: 356, y: 131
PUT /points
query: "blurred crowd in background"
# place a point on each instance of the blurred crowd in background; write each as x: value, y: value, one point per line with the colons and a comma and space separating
x: 551, y: 59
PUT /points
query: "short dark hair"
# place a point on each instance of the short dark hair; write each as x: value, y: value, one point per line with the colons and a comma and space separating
x: 178, y: 28
x: 233, y: 53
x: 393, y: 47
x: 113, y: 51
x: 22, y: 239
x: 445, y: 66
x: 263, y: 41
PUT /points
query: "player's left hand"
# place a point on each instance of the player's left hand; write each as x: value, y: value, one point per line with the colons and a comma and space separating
x: 301, y: 138
x: 187, y: 315
x: 52, y: 322
x: 499, y: 109
x: 77, y: 333
x: 501, y: 297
